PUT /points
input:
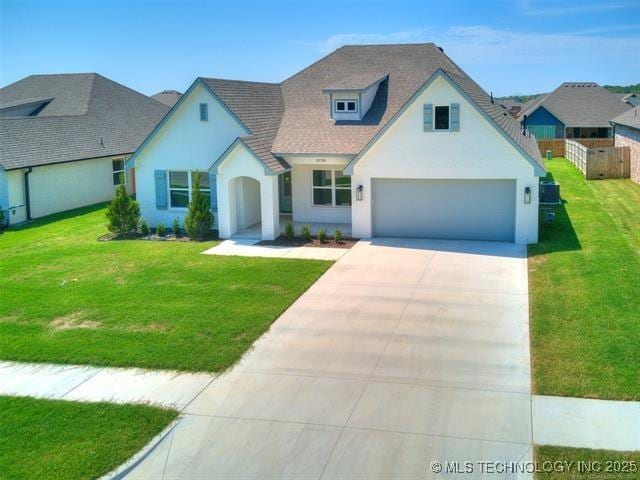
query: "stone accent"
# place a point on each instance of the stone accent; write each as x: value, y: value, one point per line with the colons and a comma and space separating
x: 630, y: 137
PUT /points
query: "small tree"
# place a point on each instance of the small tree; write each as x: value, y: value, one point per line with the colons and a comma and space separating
x: 322, y: 235
x: 199, y: 219
x: 123, y: 212
x: 161, y: 230
x: 337, y: 235
x: 144, y: 227
x: 176, y: 227
x: 289, y: 231
x: 306, y: 233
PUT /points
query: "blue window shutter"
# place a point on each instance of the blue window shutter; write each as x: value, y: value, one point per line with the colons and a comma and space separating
x: 204, y: 112
x: 454, y: 117
x: 213, y: 186
x: 161, y: 189
x: 428, y: 117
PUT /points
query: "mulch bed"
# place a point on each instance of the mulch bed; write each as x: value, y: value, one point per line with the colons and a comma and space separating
x: 153, y: 237
x: 314, y: 242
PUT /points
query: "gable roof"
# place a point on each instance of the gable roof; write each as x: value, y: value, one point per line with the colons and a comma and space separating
x: 578, y: 104
x: 88, y: 116
x: 259, y: 107
x: 630, y: 118
x: 168, y: 97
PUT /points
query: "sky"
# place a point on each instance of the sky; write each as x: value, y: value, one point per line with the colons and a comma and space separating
x: 508, y: 47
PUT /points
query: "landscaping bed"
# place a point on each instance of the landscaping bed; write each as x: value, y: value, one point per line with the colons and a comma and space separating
x: 584, y: 290
x: 66, y: 298
x: 283, y: 241
x: 54, y: 439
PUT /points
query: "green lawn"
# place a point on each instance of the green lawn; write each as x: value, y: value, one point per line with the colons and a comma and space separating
x: 53, y: 439
x: 584, y: 284
x: 577, y: 460
x: 67, y: 298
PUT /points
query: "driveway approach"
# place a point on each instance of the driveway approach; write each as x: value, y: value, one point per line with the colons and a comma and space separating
x: 404, y: 353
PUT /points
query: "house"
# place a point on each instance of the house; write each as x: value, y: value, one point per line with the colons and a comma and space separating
x: 630, y: 99
x: 64, y: 140
x: 627, y: 133
x: 512, y: 106
x: 168, y: 97
x: 381, y: 140
x: 573, y: 110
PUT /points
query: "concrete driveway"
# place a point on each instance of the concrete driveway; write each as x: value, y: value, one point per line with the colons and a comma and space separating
x: 405, y: 352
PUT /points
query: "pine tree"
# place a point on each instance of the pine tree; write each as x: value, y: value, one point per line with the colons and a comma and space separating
x: 199, y: 219
x: 123, y: 212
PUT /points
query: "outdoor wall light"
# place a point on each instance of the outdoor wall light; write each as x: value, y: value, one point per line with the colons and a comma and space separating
x: 527, y: 195
x: 359, y: 194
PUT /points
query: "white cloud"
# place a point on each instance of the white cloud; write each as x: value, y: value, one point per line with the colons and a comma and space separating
x: 418, y: 35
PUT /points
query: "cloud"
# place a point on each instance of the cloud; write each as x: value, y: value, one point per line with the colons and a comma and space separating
x: 528, y: 8
x: 418, y: 35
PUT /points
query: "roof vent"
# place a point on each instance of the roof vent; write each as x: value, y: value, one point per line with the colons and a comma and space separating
x: 441, y: 49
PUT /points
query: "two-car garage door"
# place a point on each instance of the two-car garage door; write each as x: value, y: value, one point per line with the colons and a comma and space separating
x: 450, y: 209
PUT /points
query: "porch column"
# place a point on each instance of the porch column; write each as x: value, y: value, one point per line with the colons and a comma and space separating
x: 225, y: 216
x: 270, y: 207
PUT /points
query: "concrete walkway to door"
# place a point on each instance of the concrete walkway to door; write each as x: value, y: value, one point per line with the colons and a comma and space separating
x: 404, y: 353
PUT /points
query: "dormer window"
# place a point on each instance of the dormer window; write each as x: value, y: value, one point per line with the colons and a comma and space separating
x: 345, y: 106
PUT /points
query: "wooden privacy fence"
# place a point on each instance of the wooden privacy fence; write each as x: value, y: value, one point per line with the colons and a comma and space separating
x: 556, y: 145
x: 599, y: 163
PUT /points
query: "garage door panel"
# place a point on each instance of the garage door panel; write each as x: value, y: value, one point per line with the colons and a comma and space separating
x: 448, y: 209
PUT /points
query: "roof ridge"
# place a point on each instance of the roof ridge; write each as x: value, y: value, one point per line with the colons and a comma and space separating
x: 255, y: 82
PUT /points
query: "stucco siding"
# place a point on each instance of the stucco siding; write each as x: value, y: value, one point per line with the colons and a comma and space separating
x: 476, y: 151
x: 630, y: 137
x: 15, y: 190
x: 303, y: 208
x: 183, y: 143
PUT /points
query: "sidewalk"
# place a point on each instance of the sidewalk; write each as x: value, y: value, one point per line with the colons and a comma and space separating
x: 101, y: 384
x: 249, y: 248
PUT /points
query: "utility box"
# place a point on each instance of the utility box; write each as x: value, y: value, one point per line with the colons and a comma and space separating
x: 549, y: 154
x: 550, y: 193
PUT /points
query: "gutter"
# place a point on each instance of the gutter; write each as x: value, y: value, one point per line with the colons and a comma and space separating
x: 27, y: 196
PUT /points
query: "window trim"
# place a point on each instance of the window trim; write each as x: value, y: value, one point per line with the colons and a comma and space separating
x: 435, y: 109
x: 345, y: 101
x: 123, y: 171
x: 333, y: 187
x: 204, y: 112
x: 189, y: 188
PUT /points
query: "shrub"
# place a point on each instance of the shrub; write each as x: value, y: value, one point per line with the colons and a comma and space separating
x: 123, y: 212
x: 144, y: 227
x: 306, y: 233
x: 176, y: 227
x: 289, y: 231
x: 322, y: 235
x: 337, y: 235
x: 199, y: 219
x: 161, y: 231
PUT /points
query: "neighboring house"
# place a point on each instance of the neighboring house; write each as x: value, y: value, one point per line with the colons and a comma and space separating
x: 168, y: 97
x: 64, y: 140
x: 573, y: 110
x: 385, y: 140
x: 630, y: 99
x: 511, y: 106
x: 627, y: 133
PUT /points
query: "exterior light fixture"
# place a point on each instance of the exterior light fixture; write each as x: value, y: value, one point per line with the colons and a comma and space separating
x: 359, y: 193
x: 527, y: 195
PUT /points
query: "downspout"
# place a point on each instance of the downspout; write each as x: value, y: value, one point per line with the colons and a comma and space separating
x: 27, y: 197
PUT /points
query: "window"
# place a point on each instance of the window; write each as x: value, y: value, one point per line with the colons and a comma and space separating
x: 181, y: 186
x: 119, y: 175
x: 441, y: 121
x: 204, y: 112
x: 346, y: 106
x: 331, y: 188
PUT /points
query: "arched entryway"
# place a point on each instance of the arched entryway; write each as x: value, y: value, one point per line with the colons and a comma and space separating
x: 246, y: 208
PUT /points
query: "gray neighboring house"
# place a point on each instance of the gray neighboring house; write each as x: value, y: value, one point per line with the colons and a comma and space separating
x: 573, y: 110
x: 168, y: 97
x: 512, y: 106
x: 631, y: 99
x: 627, y: 133
x: 64, y: 141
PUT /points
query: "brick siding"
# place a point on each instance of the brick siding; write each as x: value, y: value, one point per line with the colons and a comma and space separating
x: 630, y: 137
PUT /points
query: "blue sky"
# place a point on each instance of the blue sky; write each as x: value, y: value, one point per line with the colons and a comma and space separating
x: 509, y: 47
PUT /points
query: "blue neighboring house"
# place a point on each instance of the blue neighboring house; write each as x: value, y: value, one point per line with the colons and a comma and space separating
x: 573, y: 110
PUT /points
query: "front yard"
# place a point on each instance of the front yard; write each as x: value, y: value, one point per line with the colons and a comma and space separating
x: 67, y: 298
x: 584, y: 284
x: 65, y: 440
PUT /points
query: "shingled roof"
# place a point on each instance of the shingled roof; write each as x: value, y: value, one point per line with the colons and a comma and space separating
x: 630, y: 118
x: 578, y: 104
x: 87, y: 116
x: 168, y: 97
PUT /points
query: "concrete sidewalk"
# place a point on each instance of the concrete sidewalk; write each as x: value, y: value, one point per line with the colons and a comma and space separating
x: 96, y: 384
x: 249, y: 248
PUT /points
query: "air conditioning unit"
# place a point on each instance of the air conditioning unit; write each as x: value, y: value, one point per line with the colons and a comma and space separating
x: 550, y: 193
